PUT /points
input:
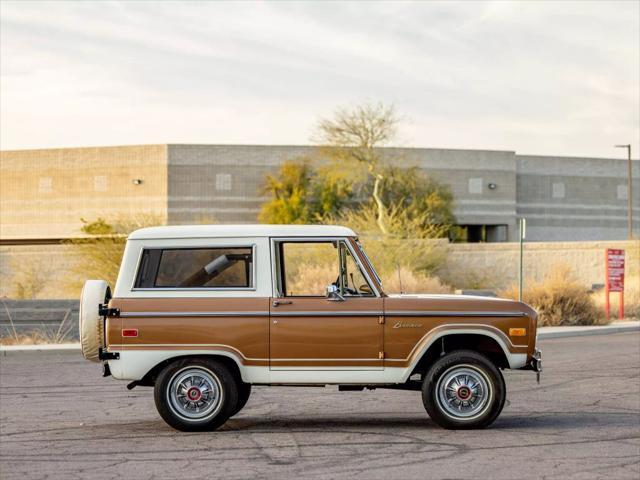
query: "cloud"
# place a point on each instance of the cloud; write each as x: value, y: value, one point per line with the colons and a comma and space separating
x: 536, y: 77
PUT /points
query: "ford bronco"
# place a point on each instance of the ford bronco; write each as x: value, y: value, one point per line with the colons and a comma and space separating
x: 203, y: 313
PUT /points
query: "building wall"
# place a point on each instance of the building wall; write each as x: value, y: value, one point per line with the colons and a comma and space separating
x: 575, y: 198
x: 222, y: 183
x: 45, y: 193
x: 496, y: 265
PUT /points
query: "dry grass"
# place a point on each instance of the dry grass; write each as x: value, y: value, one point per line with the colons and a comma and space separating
x: 312, y: 280
x: 406, y: 281
x: 34, y: 338
x: 631, y: 299
x: 560, y: 300
x: 45, y: 335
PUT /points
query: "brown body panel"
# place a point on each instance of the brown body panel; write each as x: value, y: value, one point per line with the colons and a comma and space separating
x: 411, y: 322
x: 314, y: 332
x: 343, y: 333
x: 236, y: 325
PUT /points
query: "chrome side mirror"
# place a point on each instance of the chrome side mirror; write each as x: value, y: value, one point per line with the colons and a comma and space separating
x: 333, y: 294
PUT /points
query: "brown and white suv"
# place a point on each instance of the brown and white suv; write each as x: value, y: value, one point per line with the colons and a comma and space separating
x: 202, y: 313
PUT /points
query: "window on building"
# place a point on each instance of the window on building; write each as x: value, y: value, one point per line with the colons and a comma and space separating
x: 223, y: 181
x: 478, y: 233
x: 558, y: 190
x: 623, y: 192
x: 196, y: 268
x: 45, y: 185
x: 100, y: 183
x: 475, y: 185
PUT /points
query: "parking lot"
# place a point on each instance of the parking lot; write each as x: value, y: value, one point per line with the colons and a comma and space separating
x: 60, y: 419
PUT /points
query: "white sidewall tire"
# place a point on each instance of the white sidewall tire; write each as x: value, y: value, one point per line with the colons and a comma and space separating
x: 91, y: 324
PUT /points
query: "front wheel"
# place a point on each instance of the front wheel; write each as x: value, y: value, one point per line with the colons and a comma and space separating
x: 244, y: 392
x: 195, y: 394
x: 463, y: 390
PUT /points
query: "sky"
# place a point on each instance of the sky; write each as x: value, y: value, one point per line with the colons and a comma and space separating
x: 549, y: 78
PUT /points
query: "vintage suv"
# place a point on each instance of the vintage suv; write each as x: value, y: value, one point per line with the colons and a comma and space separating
x: 202, y: 313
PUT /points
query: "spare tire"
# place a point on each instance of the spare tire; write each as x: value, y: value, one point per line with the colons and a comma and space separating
x: 91, y: 323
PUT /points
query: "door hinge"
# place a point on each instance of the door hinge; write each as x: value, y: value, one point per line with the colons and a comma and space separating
x: 381, y: 319
x: 380, y: 355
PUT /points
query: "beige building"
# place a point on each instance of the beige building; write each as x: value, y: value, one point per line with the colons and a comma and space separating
x: 46, y: 193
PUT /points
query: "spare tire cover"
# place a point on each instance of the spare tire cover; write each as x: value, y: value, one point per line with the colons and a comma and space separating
x: 91, y: 323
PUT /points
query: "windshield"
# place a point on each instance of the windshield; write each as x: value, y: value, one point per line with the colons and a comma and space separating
x: 370, y: 265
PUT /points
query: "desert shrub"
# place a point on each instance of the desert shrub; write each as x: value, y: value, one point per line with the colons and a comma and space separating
x: 99, y: 253
x: 28, y: 278
x: 421, y: 256
x: 407, y: 281
x: 312, y: 279
x: 468, y: 279
x: 560, y: 300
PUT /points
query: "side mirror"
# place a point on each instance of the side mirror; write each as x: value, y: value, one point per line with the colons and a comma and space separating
x: 333, y: 295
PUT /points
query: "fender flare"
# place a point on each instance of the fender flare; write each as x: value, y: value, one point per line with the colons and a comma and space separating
x: 515, y: 360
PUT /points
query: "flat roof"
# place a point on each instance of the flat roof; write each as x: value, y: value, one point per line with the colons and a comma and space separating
x: 244, y: 230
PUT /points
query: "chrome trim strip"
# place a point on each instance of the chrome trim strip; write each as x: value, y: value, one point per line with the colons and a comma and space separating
x: 447, y: 313
x: 326, y: 360
x: 324, y: 313
x: 195, y: 314
x: 124, y: 346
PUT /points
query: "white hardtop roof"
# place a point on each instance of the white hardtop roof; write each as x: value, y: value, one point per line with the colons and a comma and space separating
x: 226, y: 231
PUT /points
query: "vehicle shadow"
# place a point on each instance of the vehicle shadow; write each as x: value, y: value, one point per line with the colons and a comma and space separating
x: 530, y: 421
x: 315, y: 423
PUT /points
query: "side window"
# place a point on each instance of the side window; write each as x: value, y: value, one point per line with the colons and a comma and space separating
x: 305, y: 269
x: 196, y: 268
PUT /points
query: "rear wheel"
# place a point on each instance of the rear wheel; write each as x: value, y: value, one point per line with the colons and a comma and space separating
x: 463, y: 390
x: 195, y: 394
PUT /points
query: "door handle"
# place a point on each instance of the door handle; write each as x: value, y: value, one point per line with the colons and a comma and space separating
x: 277, y: 302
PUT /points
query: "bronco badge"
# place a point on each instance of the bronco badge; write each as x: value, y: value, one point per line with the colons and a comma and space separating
x: 406, y: 325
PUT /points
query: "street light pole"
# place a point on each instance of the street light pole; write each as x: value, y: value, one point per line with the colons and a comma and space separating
x: 629, y: 193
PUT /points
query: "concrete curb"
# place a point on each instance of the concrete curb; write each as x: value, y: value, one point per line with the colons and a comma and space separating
x: 562, y: 332
x: 38, y: 348
x: 543, y: 333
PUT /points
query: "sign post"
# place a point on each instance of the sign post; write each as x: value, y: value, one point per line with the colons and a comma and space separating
x: 523, y: 230
x: 614, y: 281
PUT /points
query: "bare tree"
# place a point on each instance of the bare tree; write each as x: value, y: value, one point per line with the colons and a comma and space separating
x: 353, y: 135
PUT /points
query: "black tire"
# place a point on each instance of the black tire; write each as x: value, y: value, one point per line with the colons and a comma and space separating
x: 244, y: 392
x: 170, y: 394
x: 470, y: 376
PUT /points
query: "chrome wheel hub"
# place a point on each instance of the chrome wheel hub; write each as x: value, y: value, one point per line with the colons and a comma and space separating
x: 463, y: 392
x: 194, y: 393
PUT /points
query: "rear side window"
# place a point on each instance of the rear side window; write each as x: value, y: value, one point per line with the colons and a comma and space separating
x: 196, y: 268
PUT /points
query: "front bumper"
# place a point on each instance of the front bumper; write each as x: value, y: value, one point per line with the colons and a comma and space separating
x: 536, y: 363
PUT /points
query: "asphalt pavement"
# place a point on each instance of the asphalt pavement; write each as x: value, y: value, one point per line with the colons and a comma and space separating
x: 60, y: 419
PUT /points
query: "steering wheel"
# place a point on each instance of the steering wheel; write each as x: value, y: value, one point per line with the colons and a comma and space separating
x: 347, y: 290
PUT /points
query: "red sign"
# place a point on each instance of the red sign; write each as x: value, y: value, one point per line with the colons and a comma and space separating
x: 614, y: 278
x: 615, y: 270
